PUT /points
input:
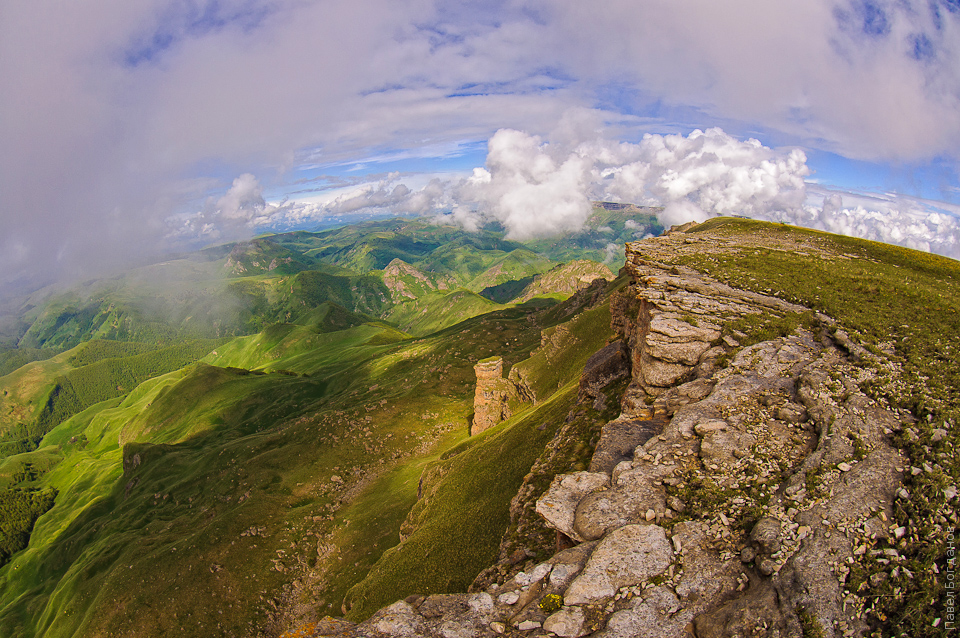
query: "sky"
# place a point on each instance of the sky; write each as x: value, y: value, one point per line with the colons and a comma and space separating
x: 131, y: 129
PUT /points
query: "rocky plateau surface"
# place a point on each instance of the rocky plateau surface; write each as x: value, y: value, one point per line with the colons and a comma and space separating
x: 732, y: 496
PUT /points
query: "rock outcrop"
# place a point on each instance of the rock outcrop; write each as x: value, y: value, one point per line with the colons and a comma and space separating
x: 737, y: 492
x: 493, y: 392
x: 407, y: 282
x: 566, y: 278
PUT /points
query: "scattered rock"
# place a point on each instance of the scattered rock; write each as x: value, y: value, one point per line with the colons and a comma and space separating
x: 792, y: 413
x: 508, y: 598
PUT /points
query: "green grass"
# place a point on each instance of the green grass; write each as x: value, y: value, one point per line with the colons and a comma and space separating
x: 251, y: 437
x: 567, y: 347
x: 101, y: 377
x: 438, y: 310
x: 458, y: 526
x: 13, y: 358
x: 223, y: 450
x: 516, y: 264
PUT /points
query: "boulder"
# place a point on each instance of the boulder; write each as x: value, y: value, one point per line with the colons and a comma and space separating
x: 570, y: 622
x: 766, y: 535
x: 619, y: 438
x: 626, y: 502
x: 559, y: 505
x: 658, y: 613
x: 626, y: 556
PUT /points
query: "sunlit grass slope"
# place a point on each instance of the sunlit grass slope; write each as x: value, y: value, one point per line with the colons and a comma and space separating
x: 223, y: 487
x: 438, y: 310
x: 273, y: 477
x: 454, y: 530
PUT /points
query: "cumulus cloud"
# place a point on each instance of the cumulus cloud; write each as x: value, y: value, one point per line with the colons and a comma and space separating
x: 532, y: 190
x: 680, y: 212
x: 244, y: 200
x: 706, y: 174
x: 538, y: 189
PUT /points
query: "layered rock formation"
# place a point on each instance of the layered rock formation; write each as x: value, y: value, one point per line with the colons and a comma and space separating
x: 493, y: 391
x: 735, y: 495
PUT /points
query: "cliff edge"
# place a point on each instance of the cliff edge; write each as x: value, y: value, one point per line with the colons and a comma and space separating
x: 747, y: 488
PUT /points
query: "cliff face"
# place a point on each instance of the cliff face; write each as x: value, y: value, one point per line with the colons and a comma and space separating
x: 741, y: 491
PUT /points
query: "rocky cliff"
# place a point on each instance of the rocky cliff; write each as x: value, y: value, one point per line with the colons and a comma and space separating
x: 747, y: 488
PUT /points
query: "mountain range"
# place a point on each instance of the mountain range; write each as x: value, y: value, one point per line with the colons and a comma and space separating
x: 276, y: 436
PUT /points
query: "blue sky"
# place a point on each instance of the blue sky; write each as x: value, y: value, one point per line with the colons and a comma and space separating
x: 133, y: 128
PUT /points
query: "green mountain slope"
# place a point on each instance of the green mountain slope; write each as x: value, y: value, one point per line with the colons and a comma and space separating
x: 230, y: 466
x: 262, y: 477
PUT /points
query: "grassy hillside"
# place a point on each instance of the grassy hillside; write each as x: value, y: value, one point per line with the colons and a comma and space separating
x: 454, y: 530
x: 218, y: 480
x: 438, y: 310
x: 88, y: 374
x: 270, y: 480
x: 13, y: 358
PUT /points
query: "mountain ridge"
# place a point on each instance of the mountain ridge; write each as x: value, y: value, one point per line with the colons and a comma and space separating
x: 278, y: 473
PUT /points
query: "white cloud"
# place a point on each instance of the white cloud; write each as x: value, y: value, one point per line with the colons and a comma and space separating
x: 709, y: 170
x: 875, y: 79
x: 910, y: 222
x: 533, y: 191
x: 681, y: 211
x: 244, y: 200
x: 110, y: 106
x: 537, y: 189
x: 611, y: 252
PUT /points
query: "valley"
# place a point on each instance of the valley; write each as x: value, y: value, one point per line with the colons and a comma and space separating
x: 249, y: 425
x: 251, y: 439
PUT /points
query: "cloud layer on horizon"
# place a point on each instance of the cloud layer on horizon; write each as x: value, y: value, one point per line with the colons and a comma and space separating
x: 536, y: 188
